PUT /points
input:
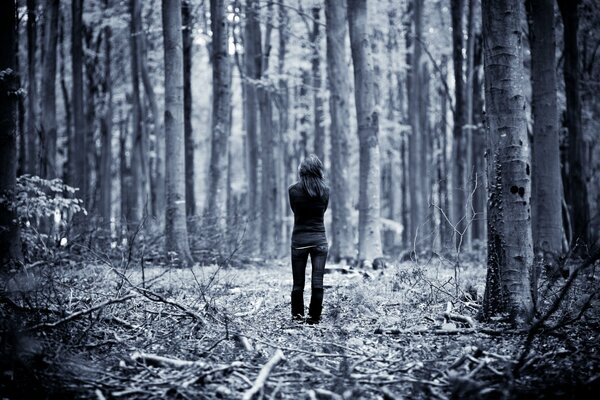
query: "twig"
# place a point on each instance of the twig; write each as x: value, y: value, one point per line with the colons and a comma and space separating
x: 78, y: 314
x: 259, y: 383
x: 153, y: 359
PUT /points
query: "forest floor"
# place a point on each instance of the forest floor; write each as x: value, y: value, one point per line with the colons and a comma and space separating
x: 97, y: 331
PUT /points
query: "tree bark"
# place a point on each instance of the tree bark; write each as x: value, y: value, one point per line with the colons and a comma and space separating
x: 252, y: 62
x: 369, y: 236
x: 187, y: 17
x: 545, y: 167
x: 577, y: 156
x: 106, y: 125
x: 459, y: 149
x: 510, y: 250
x: 342, y: 233
x: 319, y: 139
x: 78, y: 142
x: 176, y: 227
x: 217, y: 196
x: 32, y: 98
x: 48, y: 115
x: 10, y: 241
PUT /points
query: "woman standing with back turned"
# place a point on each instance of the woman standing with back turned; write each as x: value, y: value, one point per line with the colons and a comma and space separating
x: 309, y: 198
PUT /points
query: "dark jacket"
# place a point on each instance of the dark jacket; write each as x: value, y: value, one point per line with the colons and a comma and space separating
x: 309, y: 227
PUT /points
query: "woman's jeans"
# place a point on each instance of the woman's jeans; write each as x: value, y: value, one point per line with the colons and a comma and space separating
x: 318, y: 257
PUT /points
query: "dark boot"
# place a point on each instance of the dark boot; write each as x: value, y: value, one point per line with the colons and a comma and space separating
x: 316, y: 306
x: 298, y: 304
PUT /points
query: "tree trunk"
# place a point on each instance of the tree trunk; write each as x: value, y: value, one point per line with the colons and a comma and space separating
x: 186, y: 13
x: 478, y: 143
x: 139, y: 195
x: 221, y: 109
x: 315, y: 37
x: 577, y: 156
x: 459, y: 151
x: 176, y: 227
x: 10, y: 241
x: 78, y: 142
x: 252, y: 61
x: 342, y: 234
x: 48, y: 115
x: 545, y: 167
x: 106, y: 132
x: 470, y: 171
x: 32, y: 98
x: 510, y: 250
x: 369, y: 236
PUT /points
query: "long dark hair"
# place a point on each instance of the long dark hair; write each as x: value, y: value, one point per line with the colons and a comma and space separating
x: 310, y: 173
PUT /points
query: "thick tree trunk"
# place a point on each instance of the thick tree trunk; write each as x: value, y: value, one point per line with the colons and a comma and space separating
x: 369, y: 235
x: 10, y: 241
x: 459, y: 149
x: 315, y: 37
x: 48, y: 115
x: 577, y: 156
x: 510, y: 250
x: 190, y: 200
x: 106, y: 125
x: 545, y: 167
x: 252, y: 61
x: 342, y: 232
x: 32, y: 98
x: 217, y: 195
x: 176, y: 227
x: 78, y: 142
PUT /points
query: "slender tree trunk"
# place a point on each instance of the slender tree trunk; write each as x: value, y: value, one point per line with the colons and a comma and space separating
x: 315, y: 37
x: 510, y: 250
x: 48, y: 115
x: 78, y: 142
x: 124, y: 171
x: 577, y: 156
x: 91, y: 62
x: 459, y: 153
x: 478, y: 142
x: 176, y: 227
x: 217, y: 197
x: 468, y: 129
x: 32, y: 98
x: 342, y: 234
x: 369, y: 236
x: 545, y: 168
x: 252, y: 61
x: 10, y: 241
x: 190, y: 200
x: 106, y: 125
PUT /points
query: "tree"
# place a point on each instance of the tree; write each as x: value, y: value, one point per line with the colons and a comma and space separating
x: 342, y: 235
x: 510, y: 250
x: 577, y: 155
x: 369, y: 237
x: 10, y: 242
x: 315, y: 60
x: 48, y: 114
x: 186, y: 14
x: 545, y: 166
x: 252, y: 63
x: 78, y: 169
x: 32, y: 99
x: 217, y: 198
x: 106, y: 130
x: 459, y: 148
x: 175, y: 227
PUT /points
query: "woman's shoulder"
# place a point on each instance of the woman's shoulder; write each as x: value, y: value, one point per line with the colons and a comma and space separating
x: 293, y: 186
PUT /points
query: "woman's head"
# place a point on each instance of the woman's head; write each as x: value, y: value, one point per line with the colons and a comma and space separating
x: 310, y: 173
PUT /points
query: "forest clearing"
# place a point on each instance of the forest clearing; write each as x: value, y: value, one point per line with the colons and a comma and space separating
x: 207, y: 332
x: 299, y: 199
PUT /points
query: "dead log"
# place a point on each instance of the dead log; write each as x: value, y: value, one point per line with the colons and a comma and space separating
x: 261, y: 379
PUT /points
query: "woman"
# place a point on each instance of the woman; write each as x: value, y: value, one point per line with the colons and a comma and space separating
x: 309, y: 198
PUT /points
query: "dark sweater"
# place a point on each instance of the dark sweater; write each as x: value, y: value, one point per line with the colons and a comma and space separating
x: 309, y: 228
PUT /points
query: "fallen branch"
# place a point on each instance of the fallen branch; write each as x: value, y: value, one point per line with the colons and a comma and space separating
x: 457, y: 331
x: 79, y: 314
x: 259, y: 383
x: 160, y: 361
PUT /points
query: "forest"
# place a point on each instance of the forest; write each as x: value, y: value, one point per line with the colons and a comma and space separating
x: 148, y: 153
